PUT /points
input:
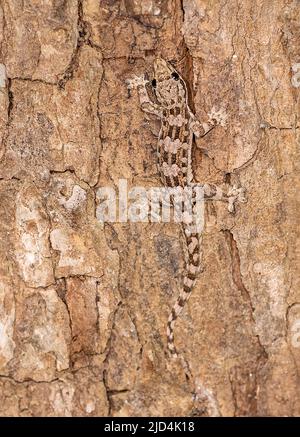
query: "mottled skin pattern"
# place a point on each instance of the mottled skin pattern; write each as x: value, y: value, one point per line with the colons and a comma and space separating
x: 174, y: 157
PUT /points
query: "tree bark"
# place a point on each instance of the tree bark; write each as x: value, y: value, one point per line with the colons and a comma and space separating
x: 84, y: 305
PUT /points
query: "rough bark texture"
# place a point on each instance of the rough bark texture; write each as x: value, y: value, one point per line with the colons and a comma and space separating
x: 83, y: 307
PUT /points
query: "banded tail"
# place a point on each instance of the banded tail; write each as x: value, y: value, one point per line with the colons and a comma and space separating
x: 192, y: 267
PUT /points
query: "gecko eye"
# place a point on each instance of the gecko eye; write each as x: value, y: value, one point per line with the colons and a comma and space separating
x: 175, y: 75
x: 153, y: 83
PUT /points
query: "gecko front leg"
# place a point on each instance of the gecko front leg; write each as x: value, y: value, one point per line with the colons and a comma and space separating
x: 147, y: 105
x: 215, y: 118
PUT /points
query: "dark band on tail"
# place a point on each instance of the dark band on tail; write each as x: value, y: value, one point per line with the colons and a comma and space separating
x: 191, y: 269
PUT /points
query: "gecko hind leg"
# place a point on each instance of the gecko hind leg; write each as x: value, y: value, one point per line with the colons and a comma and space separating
x: 214, y: 192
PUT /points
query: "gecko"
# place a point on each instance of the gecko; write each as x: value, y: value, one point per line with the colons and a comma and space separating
x: 179, y: 125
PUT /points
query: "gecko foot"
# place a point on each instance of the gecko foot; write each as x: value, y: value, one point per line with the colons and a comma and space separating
x: 235, y: 194
x: 218, y: 117
x: 135, y: 82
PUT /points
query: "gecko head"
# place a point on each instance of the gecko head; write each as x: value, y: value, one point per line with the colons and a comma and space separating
x: 168, y: 86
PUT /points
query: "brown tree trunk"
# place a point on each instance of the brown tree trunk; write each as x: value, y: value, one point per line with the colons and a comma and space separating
x: 83, y: 306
